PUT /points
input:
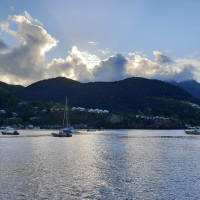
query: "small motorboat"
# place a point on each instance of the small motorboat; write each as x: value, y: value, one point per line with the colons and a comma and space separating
x: 10, y: 132
x: 91, y: 130
x: 193, y: 130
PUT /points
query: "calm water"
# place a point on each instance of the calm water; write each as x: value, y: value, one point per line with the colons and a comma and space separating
x: 114, y: 164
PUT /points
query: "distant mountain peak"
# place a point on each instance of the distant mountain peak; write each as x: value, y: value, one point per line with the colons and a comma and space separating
x: 191, y: 86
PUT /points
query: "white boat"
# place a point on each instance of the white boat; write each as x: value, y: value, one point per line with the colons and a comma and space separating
x: 193, y: 130
x: 9, y: 131
x: 73, y: 130
x: 66, y: 131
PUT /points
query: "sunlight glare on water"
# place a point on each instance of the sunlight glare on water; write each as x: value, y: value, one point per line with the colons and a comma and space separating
x: 110, y: 164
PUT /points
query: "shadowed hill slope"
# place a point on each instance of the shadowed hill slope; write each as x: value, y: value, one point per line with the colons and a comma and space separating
x: 7, y: 99
x: 127, y: 96
x: 191, y: 86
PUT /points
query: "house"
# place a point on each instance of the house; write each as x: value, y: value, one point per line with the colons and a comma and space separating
x: 78, y: 109
x: 105, y: 111
x: 2, y: 111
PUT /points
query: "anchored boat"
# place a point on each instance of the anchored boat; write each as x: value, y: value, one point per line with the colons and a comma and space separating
x: 66, y: 131
x: 193, y: 130
x: 10, y: 131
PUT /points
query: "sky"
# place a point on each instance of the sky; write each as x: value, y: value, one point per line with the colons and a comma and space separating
x: 99, y: 40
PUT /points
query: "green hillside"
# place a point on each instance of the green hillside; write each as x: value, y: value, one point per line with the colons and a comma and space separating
x: 7, y: 100
x: 126, y: 97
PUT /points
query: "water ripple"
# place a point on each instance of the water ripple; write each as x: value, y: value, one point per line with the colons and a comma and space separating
x: 113, y: 164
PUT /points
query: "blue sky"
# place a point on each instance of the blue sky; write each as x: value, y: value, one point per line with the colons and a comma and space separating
x: 106, y: 29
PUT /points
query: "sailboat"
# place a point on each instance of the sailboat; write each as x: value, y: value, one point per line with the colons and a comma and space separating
x: 66, y: 131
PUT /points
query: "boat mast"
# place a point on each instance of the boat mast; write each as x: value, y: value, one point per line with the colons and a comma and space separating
x: 65, y: 118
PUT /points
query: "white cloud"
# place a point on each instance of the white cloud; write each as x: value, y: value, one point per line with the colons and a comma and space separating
x: 92, y: 43
x: 78, y: 65
x: 193, y: 67
x: 161, y: 58
x: 136, y: 53
x: 111, y: 69
x: 27, y: 15
x: 24, y: 63
x: 86, y: 67
x: 104, y: 51
x: 162, y: 68
x: 131, y: 54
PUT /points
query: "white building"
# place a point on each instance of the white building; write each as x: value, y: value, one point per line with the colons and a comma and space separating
x: 44, y: 110
x: 98, y: 111
x: 78, y: 109
x: 105, y: 111
x: 2, y: 111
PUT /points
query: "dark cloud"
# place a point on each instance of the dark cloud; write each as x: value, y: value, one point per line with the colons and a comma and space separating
x: 185, y: 72
x: 2, y: 45
x: 162, y: 59
x: 111, y: 69
x: 163, y: 68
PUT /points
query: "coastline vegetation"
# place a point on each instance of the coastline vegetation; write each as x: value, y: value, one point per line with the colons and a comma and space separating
x: 164, y: 114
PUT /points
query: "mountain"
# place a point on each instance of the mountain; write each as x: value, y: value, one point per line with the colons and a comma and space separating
x: 126, y: 96
x: 11, y: 88
x: 192, y: 86
x: 7, y: 99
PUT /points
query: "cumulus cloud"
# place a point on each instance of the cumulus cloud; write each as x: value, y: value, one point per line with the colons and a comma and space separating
x: 24, y: 63
x: 85, y: 67
x: 28, y: 16
x: 111, y: 69
x: 192, y: 66
x: 182, y: 73
x: 2, y: 45
x: 162, y: 68
x: 78, y: 65
x: 161, y: 58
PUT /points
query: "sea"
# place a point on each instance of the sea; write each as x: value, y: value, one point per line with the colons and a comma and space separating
x: 108, y: 164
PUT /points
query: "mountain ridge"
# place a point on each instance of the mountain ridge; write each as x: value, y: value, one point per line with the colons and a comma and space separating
x: 191, y: 86
x: 127, y: 96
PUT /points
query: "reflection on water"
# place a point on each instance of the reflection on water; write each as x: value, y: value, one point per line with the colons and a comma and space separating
x: 114, y: 164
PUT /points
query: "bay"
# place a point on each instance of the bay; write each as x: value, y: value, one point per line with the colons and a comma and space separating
x: 109, y: 164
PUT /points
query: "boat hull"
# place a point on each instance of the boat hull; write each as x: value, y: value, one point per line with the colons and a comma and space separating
x: 192, y: 132
x: 61, y: 135
x: 9, y: 133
